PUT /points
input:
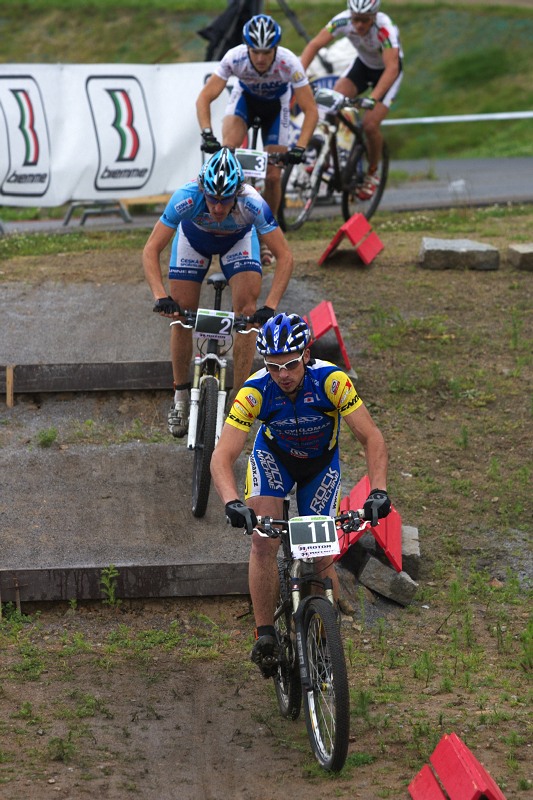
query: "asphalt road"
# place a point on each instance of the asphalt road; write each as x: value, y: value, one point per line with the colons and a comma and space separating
x: 414, y: 185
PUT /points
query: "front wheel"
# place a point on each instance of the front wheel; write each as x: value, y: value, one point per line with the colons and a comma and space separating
x: 205, y: 444
x: 327, y: 700
x: 299, y: 191
x: 353, y: 176
x: 287, y: 679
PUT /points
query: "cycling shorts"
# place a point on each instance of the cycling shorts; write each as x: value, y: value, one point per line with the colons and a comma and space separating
x: 193, y: 249
x: 317, y: 489
x: 362, y: 77
x: 274, y: 114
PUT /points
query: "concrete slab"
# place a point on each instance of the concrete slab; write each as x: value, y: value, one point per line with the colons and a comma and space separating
x: 457, y: 254
x: 521, y: 256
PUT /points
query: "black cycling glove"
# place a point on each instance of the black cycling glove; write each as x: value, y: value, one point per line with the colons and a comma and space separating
x: 240, y: 515
x: 295, y: 155
x: 263, y: 314
x: 210, y: 143
x: 377, y: 505
x: 166, y: 305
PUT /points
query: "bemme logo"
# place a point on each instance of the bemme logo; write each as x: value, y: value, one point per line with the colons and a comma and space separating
x: 123, y: 124
x: 26, y: 127
x: 118, y: 106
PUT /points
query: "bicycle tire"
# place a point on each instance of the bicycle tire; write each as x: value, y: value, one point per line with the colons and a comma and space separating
x: 287, y: 679
x: 205, y: 444
x: 352, y: 177
x: 299, y: 196
x: 327, y: 702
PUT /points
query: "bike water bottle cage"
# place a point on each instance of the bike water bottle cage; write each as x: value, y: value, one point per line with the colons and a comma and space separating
x: 284, y: 333
x: 221, y: 176
x: 364, y: 6
x: 261, y: 33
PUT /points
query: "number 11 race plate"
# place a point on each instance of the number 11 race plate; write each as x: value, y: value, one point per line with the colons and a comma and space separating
x: 311, y: 537
x: 212, y: 324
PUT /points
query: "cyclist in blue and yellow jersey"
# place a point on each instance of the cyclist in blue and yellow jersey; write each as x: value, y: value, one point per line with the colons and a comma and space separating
x: 300, y: 402
x: 217, y: 214
x: 269, y: 76
x: 378, y: 65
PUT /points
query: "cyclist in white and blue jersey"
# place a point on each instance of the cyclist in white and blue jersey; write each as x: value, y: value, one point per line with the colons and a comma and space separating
x: 217, y: 214
x: 299, y: 402
x: 378, y: 65
x: 269, y: 76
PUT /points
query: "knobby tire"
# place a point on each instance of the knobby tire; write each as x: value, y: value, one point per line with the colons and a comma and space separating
x: 352, y: 177
x: 298, y: 202
x: 327, y: 703
x: 205, y: 444
x: 287, y: 679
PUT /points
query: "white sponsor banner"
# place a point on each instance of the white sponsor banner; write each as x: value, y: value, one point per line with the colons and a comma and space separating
x: 99, y: 131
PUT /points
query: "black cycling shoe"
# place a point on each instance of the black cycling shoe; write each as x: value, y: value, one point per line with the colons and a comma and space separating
x: 265, y: 654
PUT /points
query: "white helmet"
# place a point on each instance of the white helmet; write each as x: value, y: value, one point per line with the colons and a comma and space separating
x: 364, y: 6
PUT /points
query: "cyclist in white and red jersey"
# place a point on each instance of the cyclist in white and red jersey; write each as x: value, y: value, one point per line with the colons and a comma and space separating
x: 268, y: 77
x: 378, y: 65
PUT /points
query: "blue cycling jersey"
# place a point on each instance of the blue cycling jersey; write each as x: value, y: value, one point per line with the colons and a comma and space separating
x: 250, y: 210
x: 305, y: 428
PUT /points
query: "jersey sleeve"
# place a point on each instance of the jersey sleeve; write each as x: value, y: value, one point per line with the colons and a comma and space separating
x: 182, y: 205
x: 245, y: 408
x: 341, y: 392
x: 339, y: 25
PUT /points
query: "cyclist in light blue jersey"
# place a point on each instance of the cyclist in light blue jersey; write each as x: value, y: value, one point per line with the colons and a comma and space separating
x: 217, y: 214
x: 300, y: 402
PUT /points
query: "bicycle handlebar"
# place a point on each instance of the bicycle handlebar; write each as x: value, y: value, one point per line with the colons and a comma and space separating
x: 239, y: 321
x: 346, y: 521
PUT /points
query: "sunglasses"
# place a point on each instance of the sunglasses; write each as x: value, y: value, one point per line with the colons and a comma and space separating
x: 224, y: 201
x: 289, y: 365
x: 362, y: 19
x: 266, y: 52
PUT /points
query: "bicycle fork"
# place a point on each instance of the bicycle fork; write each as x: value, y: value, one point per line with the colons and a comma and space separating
x: 299, y: 606
x: 198, y: 377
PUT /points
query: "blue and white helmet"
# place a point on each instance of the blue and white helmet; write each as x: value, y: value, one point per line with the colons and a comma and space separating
x: 261, y: 32
x: 222, y: 174
x: 283, y: 333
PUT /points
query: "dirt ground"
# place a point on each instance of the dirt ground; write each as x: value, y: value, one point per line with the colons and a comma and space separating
x: 158, y: 700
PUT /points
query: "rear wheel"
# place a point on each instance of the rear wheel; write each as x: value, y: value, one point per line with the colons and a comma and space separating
x: 299, y: 191
x: 327, y: 701
x: 205, y: 444
x: 287, y: 679
x: 353, y: 176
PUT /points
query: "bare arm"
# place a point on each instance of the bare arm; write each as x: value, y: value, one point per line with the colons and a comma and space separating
x: 306, y: 100
x: 367, y: 432
x: 157, y: 241
x: 212, y: 89
x: 228, y: 449
x: 321, y: 40
x: 391, y: 63
x: 276, y: 241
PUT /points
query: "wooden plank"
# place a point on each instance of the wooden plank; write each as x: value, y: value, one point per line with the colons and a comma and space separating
x: 89, y: 377
x: 161, y: 580
x: 10, y: 387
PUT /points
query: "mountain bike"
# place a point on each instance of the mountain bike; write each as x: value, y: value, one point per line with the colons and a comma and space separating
x: 312, y: 664
x: 213, y: 333
x: 336, y: 161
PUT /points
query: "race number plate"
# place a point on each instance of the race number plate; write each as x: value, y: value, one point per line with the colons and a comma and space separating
x: 313, y: 536
x: 253, y: 162
x: 212, y: 324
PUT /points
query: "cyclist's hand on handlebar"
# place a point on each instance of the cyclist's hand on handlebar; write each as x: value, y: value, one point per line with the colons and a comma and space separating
x: 295, y: 155
x: 210, y: 143
x: 367, y: 102
x: 240, y: 515
x: 166, y: 305
x: 263, y: 314
x: 377, y: 506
